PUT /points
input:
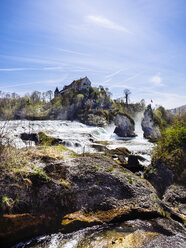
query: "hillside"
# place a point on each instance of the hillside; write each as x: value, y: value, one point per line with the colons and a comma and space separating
x: 90, y: 105
x: 178, y: 110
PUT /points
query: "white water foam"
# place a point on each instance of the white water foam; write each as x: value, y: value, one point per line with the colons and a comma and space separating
x: 77, y: 136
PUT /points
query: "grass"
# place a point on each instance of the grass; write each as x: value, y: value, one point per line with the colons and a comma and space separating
x: 129, y: 179
x: 46, y: 152
x: 65, y: 183
x: 7, y: 201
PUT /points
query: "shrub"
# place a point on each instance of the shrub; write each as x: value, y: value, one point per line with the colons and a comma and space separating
x: 171, y: 148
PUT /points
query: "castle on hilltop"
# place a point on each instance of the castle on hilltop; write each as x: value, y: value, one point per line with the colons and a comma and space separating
x: 82, y: 83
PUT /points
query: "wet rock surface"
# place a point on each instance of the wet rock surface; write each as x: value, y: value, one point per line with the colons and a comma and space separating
x: 131, y: 234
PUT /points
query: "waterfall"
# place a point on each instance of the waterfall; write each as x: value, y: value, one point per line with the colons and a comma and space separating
x: 138, y: 128
x: 79, y: 137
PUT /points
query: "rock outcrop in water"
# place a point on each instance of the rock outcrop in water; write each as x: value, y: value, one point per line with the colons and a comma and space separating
x: 124, y: 126
x: 93, y: 119
x: 150, y: 129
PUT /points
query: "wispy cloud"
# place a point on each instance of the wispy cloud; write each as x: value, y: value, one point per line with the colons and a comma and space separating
x: 132, y: 77
x: 52, y: 82
x: 71, y: 51
x: 31, y: 69
x: 156, y: 80
x: 113, y: 74
x: 104, y: 82
x: 13, y: 69
x: 106, y: 23
x: 46, y: 61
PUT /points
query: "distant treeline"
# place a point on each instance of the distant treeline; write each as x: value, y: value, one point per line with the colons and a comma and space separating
x: 75, y: 104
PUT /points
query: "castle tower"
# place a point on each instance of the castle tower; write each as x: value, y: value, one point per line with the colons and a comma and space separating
x: 56, y: 92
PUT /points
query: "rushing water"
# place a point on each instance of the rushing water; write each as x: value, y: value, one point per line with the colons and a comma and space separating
x: 155, y: 233
x: 77, y: 136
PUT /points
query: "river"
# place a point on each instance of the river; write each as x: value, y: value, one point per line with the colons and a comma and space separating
x: 82, y: 138
x: 77, y: 136
x: 155, y: 233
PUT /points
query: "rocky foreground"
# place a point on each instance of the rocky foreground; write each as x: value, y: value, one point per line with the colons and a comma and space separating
x: 49, y: 189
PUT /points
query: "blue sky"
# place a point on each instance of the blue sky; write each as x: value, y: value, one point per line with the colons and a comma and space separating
x: 134, y: 44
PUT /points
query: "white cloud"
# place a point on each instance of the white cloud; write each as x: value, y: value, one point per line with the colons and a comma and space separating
x: 48, y: 61
x: 52, y: 82
x: 106, y: 23
x: 13, y: 69
x: 132, y: 77
x: 156, y: 80
x: 113, y: 74
x: 70, y: 51
x: 32, y: 69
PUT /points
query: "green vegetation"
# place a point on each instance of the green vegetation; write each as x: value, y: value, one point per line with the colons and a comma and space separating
x: 65, y: 183
x: 73, y: 104
x: 129, y: 179
x: 7, y: 201
x: 171, y: 148
x: 162, y: 118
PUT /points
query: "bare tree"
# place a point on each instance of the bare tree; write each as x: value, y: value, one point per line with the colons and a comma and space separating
x: 126, y: 93
x: 36, y: 96
x: 14, y: 95
x: 49, y: 94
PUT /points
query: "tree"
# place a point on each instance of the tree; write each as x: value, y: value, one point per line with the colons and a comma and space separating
x: 49, y: 94
x: 36, y: 96
x: 127, y: 93
x: 14, y: 95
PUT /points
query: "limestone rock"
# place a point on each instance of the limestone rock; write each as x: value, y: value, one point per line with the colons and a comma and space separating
x: 150, y: 129
x: 95, y: 120
x: 124, y: 126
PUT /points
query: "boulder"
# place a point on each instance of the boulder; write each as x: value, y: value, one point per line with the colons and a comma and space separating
x: 123, y: 151
x: 175, y: 195
x: 133, y: 164
x: 30, y: 137
x: 160, y: 176
x: 119, y: 154
x: 175, y: 199
x: 124, y: 126
x: 41, y: 139
x: 93, y: 184
x: 150, y: 129
x: 95, y: 120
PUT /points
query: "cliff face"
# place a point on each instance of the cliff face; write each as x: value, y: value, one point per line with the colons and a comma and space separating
x: 150, y: 129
